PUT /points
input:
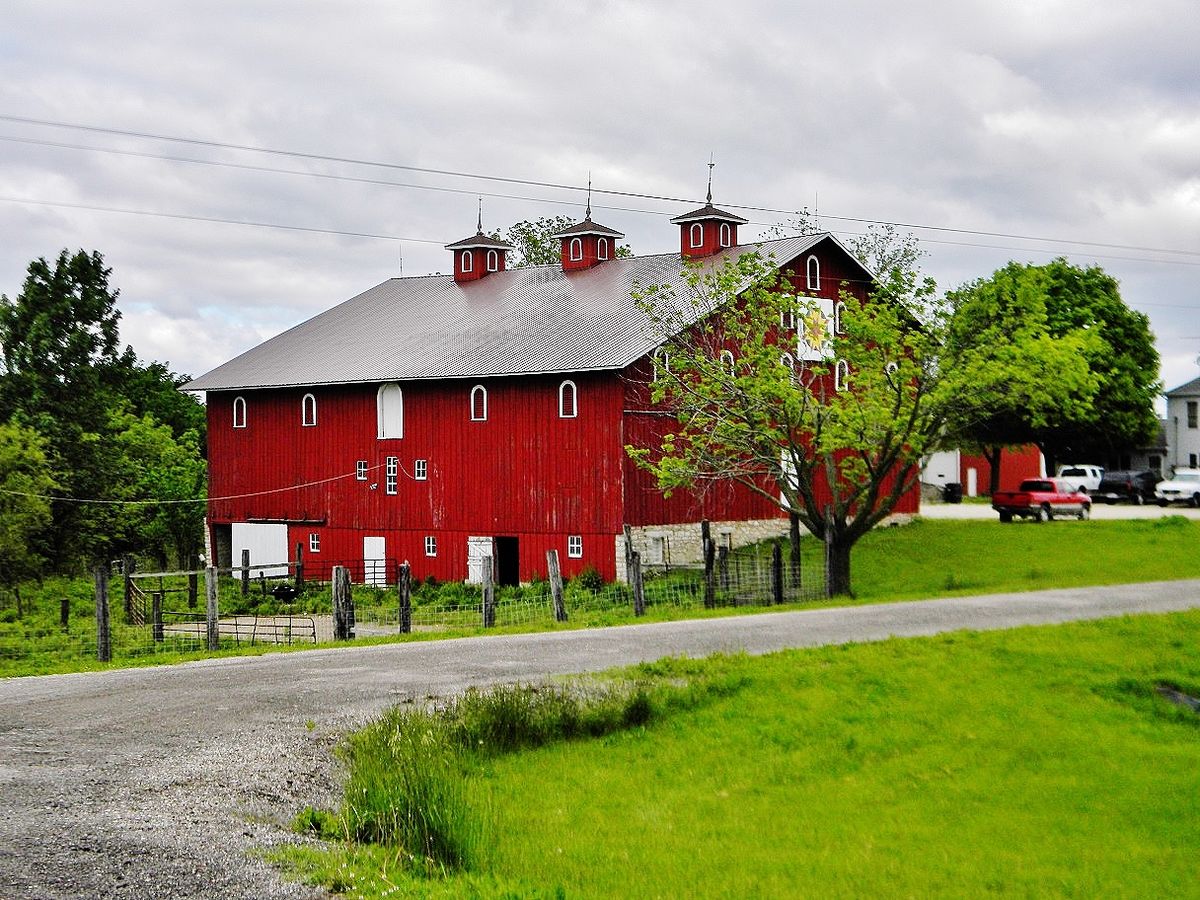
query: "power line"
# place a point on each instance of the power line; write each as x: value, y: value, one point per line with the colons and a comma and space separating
x: 297, y: 154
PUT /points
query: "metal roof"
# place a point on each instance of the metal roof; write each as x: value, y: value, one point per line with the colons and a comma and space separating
x: 480, y: 240
x: 708, y: 211
x: 521, y: 321
x: 587, y: 226
x: 1190, y: 389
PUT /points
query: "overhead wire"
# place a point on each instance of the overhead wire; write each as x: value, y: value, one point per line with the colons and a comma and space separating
x: 297, y: 154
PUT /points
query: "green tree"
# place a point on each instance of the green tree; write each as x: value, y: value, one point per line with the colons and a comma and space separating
x: 25, y: 484
x: 835, y: 440
x: 536, y: 244
x: 166, y: 476
x: 1051, y: 355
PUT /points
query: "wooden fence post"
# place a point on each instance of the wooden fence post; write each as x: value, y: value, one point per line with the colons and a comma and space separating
x: 103, y: 633
x: 210, y: 608
x: 404, y: 589
x: 776, y: 573
x: 556, y: 585
x: 489, y: 594
x: 635, y: 573
x: 192, y: 589
x: 828, y: 552
x: 628, y: 550
x: 794, y: 548
x: 158, y: 618
x: 246, y: 572
x: 64, y: 613
x: 343, y: 628
x: 723, y: 566
x: 127, y: 569
x: 299, y: 567
x: 710, y: 587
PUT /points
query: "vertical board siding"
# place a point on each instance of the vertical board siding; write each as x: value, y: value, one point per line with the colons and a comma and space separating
x: 523, y: 472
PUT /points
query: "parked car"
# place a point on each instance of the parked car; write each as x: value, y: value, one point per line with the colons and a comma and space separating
x: 1041, y: 499
x: 1134, y: 486
x: 1083, y: 478
x: 1182, y: 487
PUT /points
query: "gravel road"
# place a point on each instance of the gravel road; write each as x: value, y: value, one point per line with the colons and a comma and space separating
x: 147, y: 783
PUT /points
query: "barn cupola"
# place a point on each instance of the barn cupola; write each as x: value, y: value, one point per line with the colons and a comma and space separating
x: 587, y: 244
x: 706, y: 230
x: 478, y: 255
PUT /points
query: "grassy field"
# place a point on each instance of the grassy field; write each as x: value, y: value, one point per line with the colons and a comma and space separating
x: 920, y: 560
x: 1033, y: 762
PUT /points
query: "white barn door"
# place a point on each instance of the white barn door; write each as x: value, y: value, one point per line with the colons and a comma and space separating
x: 477, y: 549
x: 375, y: 561
x: 266, y: 543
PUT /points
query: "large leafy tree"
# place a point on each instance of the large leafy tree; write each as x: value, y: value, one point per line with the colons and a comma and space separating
x: 536, y: 244
x: 25, y: 482
x: 1051, y: 355
x: 65, y: 376
x: 835, y: 450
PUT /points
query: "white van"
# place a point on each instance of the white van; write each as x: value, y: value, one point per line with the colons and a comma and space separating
x: 1084, y: 479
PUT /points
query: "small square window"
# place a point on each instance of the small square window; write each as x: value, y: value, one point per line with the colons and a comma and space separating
x: 360, y: 470
x: 575, y: 546
x: 392, y: 479
x: 725, y: 539
x: 314, y: 542
x: 430, y: 545
x: 421, y: 469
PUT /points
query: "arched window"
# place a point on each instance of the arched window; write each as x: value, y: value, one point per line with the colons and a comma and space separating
x: 493, y: 261
x: 696, y: 235
x: 727, y: 361
x: 891, y: 369
x: 468, y: 261
x: 726, y: 235
x: 390, y: 410
x: 479, y: 403
x: 567, y: 406
x: 308, y: 410
x: 838, y: 309
x: 662, y: 363
x: 841, y: 375
x: 239, y: 412
x: 576, y: 251
x: 814, y: 274
x: 602, y: 248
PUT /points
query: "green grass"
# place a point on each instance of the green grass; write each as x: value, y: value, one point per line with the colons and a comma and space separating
x: 927, y: 558
x: 1033, y: 762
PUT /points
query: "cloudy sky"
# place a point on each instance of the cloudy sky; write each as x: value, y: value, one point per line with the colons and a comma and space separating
x: 1021, y: 130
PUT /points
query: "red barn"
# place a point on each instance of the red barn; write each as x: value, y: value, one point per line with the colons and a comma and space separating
x: 436, y: 419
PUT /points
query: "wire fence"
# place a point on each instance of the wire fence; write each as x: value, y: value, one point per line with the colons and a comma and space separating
x: 165, y: 615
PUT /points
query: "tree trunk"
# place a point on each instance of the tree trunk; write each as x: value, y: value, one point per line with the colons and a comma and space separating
x: 839, y: 567
x: 794, y: 547
x: 993, y: 455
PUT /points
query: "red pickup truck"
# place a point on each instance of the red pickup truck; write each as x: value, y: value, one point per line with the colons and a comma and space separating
x: 1041, y: 499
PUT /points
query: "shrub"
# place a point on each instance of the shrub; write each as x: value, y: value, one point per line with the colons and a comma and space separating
x: 589, y: 579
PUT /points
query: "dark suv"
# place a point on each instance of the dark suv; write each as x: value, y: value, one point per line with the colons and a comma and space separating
x: 1134, y: 486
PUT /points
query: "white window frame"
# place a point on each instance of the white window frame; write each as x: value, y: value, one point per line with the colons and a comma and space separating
x: 789, y: 363
x: 725, y: 539
x: 384, y: 426
x: 657, y: 553
x: 602, y: 249
x: 391, y: 481
x: 482, y: 391
x: 493, y: 261
x: 468, y: 261
x: 727, y: 362
x: 891, y: 368
x: 812, y: 270
x: 308, y: 411
x: 841, y: 375
x: 360, y: 470
x: 575, y: 546
x: 314, y: 542
x: 696, y: 236
x: 575, y: 249
x: 431, y: 545
x: 239, y: 403
x: 662, y: 362
x: 838, y: 309
x: 420, y: 470
x: 562, y: 392
x: 726, y: 235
